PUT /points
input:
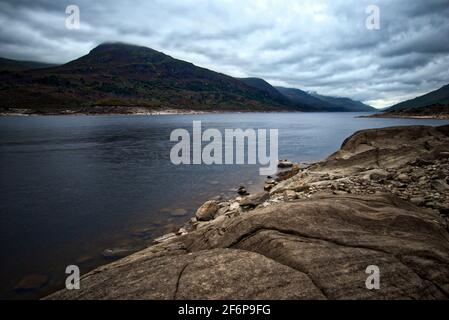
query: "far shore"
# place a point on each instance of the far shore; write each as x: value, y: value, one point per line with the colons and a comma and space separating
x: 392, y: 116
x: 436, y: 111
x: 141, y: 111
x: 132, y: 112
x: 30, y: 113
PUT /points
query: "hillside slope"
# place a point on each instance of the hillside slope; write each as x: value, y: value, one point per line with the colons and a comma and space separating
x: 317, y: 102
x: 122, y: 78
x: 345, y: 103
x: 309, y: 102
x: 440, y: 96
x: 261, y: 84
x: 127, y: 75
x: 17, y: 65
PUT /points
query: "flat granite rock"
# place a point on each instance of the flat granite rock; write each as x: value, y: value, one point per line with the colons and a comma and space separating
x: 390, y: 147
x: 319, y: 248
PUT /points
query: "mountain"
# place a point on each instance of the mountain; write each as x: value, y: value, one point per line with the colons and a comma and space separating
x: 117, y: 74
x: 316, y: 102
x: 440, y: 96
x: 16, y: 65
x: 121, y: 78
x: 261, y: 84
x: 287, y: 96
x: 307, y: 101
x: 345, y: 103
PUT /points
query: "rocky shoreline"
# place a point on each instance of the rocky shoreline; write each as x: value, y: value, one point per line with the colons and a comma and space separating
x: 110, y: 110
x: 117, y: 110
x: 382, y: 199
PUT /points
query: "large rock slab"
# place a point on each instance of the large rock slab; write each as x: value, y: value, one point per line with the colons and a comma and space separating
x: 211, y: 274
x: 319, y: 248
x: 390, y: 147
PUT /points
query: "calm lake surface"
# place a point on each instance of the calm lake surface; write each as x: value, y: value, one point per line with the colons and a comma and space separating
x: 73, y: 186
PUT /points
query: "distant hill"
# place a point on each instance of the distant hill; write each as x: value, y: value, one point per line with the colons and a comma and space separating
x: 128, y: 75
x: 345, y: 103
x: 440, y: 96
x: 261, y: 84
x: 16, y: 65
x: 316, y: 102
x: 309, y: 102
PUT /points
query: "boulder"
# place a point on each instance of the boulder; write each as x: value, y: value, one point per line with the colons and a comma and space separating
x: 207, y: 211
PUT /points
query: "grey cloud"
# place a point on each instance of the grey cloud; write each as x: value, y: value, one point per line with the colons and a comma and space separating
x: 315, y: 45
x: 408, y: 61
x: 423, y: 8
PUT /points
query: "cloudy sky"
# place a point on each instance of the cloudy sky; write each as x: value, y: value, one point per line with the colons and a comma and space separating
x: 321, y: 46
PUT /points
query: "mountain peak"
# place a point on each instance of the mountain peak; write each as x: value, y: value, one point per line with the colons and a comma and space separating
x: 119, y: 46
x: 112, y: 53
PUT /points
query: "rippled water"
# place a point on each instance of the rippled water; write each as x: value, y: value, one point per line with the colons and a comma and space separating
x: 73, y: 186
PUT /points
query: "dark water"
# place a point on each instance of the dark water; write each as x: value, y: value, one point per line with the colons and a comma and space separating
x: 71, y: 187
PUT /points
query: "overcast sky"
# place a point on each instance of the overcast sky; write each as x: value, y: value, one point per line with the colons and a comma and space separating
x: 321, y: 46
